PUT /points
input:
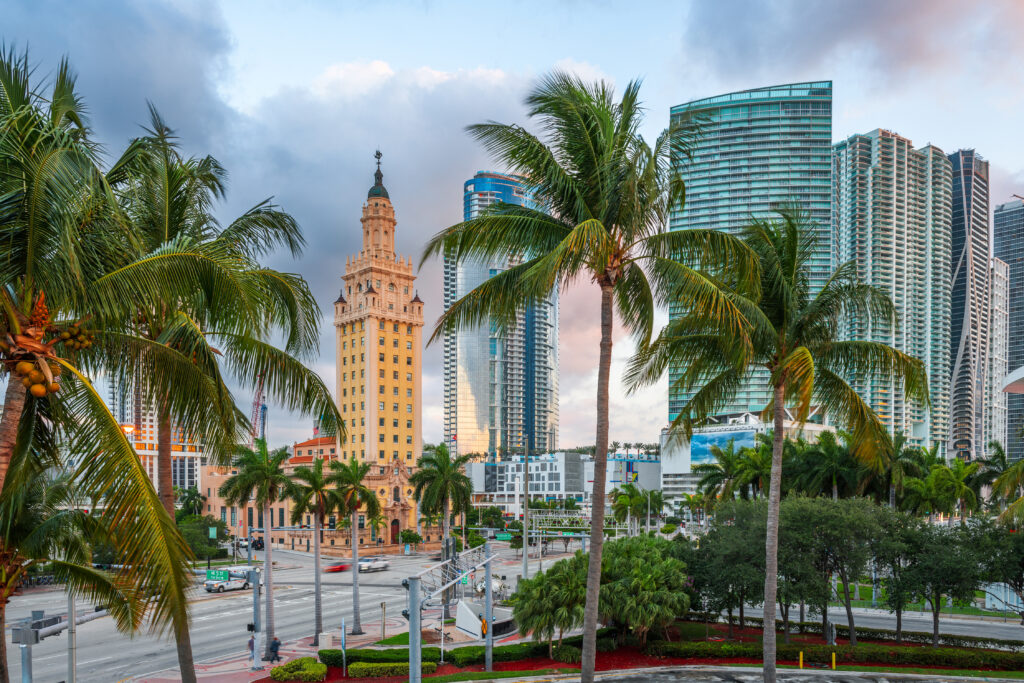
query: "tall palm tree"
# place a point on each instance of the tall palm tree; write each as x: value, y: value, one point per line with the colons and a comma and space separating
x: 261, y: 478
x: 355, y: 496
x: 311, y: 493
x: 440, y: 485
x: 606, y: 196
x: 627, y: 500
x: 993, y: 466
x: 722, y: 478
x: 192, y: 501
x: 59, y: 231
x: 793, y: 334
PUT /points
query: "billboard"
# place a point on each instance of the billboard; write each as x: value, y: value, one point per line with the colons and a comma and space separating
x: 700, y: 445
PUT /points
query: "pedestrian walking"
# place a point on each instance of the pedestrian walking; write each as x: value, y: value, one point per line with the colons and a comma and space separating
x: 275, y: 645
x: 252, y: 649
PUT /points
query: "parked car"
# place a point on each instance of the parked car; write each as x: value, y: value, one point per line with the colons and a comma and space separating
x: 373, y: 564
x: 337, y: 567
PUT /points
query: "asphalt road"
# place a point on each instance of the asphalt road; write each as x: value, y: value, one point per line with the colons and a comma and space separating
x: 219, y: 621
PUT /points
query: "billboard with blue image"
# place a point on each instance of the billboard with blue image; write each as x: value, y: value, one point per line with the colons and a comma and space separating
x: 701, y: 443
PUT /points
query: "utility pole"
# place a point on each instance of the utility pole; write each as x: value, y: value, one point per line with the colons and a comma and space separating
x: 254, y: 580
x: 415, y: 654
x: 72, y: 636
x: 488, y: 613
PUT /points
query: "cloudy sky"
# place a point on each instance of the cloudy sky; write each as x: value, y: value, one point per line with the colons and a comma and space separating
x: 294, y: 97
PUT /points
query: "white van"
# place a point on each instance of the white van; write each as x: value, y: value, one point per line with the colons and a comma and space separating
x: 238, y: 579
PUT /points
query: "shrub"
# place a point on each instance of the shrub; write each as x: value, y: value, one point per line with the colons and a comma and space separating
x: 669, y: 528
x: 474, y: 654
x: 301, y: 669
x: 567, y: 654
x: 384, y: 669
x: 391, y: 655
x: 607, y: 645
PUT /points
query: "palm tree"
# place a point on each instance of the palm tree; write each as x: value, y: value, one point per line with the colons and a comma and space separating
x: 60, y: 230
x: 355, y: 496
x: 992, y: 467
x: 932, y: 493
x: 721, y: 478
x: 441, y: 486
x: 962, y: 485
x: 168, y: 200
x: 901, y: 461
x: 192, y: 501
x: 626, y: 501
x: 261, y: 479
x: 754, y: 467
x: 792, y: 334
x: 828, y: 466
x: 377, y: 522
x: 311, y: 493
x: 606, y: 196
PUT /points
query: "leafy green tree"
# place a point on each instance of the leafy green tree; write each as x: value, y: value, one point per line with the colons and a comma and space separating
x: 192, y: 501
x: 896, y: 550
x: 644, y: 586
x: 311, y: 493
x: 440, y: 485
x: 492, y: 517
x: 792, y: 333
x: 347, y: 476
x: 736, y: 567
x: 195, y: 529
x: 606, y: 196
x: 1005, y: 556
x: 410, y: 537
x: 803, y: 562
x: 948, y: 564
x: 262, y: 480
x: 61, y: 231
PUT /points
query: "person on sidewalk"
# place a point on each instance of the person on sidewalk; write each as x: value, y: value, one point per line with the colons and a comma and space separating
x: 252, y: 650
x: 275, y: 645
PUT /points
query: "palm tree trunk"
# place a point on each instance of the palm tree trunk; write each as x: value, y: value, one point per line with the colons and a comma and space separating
x: 835, y: 489
x: 357, y: 628
x: 164, y: 480
x: 772, y: 537
x: 268, y: 571
x: 165, y: 491
x: 892, y: 496
x: 600, y: 473
x: 14, y: 404
x: 318, y: 620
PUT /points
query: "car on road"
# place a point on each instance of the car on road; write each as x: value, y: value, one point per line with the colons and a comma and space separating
x: 337, y: 567
x: 373, y: 564
x: 238, y: 579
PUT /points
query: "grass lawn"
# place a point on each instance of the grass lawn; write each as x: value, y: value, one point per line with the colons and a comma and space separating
x: 397, y: 639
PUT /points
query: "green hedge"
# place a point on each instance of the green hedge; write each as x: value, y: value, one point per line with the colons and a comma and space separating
x: 608, y: 644
x: 474, y: 654
x: 669, y: 528
x: 567, y: 654
x: 384, y: 669
x: 390, y: 655
x: 881, y: 634
x: 301, y: 669
x: 961, y: 658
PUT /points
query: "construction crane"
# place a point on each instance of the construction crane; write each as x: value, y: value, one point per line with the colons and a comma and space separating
x: 258, y: 417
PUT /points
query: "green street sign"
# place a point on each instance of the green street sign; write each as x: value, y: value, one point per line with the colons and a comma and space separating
x: 503, y: 537
x: 465, y: 579
x: 217, y: 575
x: 213, y: 532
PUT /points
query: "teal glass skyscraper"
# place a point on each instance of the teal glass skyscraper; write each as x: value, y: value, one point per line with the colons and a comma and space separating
x: 759, y: 149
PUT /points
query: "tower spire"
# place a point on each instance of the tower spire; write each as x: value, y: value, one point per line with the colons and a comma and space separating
x: 378, y: 189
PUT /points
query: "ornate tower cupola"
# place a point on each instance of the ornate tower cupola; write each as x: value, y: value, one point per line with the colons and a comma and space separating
x: 378, y: 219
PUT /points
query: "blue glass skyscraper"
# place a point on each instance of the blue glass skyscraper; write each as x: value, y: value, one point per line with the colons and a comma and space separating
x: 1008, y: 245
x: 500, y: 388
x: 760, y: 148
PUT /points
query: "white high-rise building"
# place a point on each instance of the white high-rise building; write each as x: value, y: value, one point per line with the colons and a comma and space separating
x: 500, y: 387
x: 995, y: 403
x: 891, y: 213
